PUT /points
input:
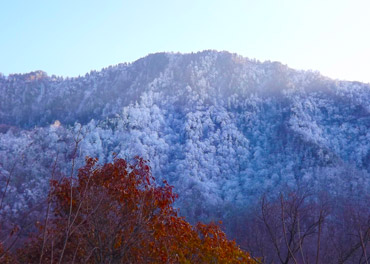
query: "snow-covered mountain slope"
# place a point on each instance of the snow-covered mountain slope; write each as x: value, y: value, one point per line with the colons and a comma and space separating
x: 219, y: 127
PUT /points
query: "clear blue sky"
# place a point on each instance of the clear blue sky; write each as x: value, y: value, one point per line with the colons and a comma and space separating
x: 69, y: 38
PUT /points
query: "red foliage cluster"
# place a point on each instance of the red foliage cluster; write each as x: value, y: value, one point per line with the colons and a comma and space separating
x: 115, y: 213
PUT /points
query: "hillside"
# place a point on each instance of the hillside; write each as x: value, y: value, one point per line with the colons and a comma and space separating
x: 221, y: 128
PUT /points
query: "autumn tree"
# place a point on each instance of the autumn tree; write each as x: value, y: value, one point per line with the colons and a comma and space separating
x: 116, y: 213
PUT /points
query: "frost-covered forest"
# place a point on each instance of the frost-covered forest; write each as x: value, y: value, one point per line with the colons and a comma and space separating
x: 220, y: 128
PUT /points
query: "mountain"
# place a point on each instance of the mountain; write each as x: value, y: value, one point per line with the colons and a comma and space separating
x: 221, y: 128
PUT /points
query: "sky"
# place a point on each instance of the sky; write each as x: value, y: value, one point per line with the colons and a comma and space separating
x: 71, y: 38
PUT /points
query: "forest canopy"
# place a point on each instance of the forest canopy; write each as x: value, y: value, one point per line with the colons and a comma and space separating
x: 116, y: 213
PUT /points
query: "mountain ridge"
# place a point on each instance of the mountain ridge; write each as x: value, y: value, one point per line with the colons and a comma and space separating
x: 219, y: 127
x: 111, y: 82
